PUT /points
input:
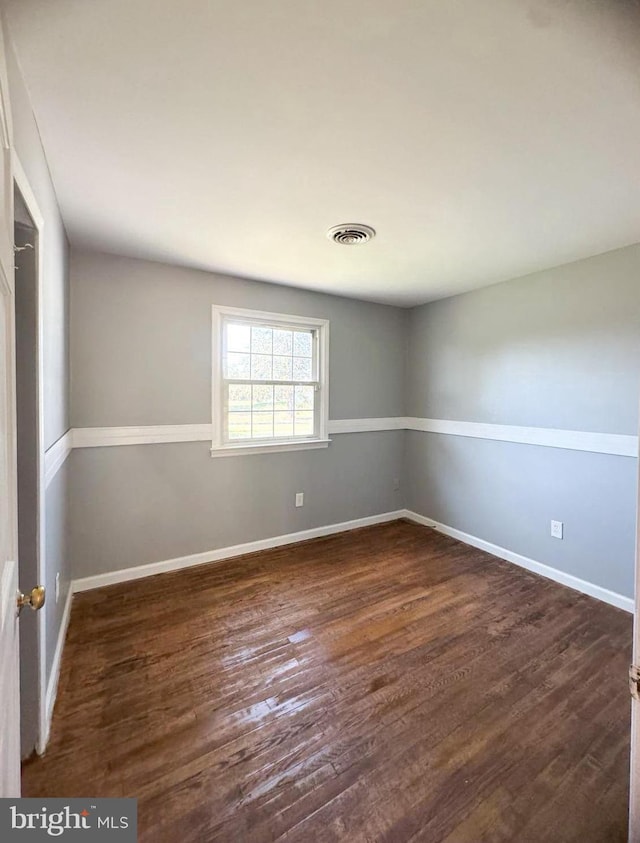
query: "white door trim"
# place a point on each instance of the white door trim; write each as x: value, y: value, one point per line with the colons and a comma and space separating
x: 22, y: 182
x: 634, y: 784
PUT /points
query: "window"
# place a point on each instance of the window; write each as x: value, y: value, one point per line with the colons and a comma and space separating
x: 270, y: 382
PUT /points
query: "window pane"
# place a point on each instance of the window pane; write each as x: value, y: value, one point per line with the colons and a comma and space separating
x: 262, y: 425
x: 283, y: 397
x: 262, y: 398
x: 303, y: 423
x: 261, y: 340
x: 282, y: 424
x: 304, y: 397
x: 261, y: 369
x: 239, y: 425
x: 238, y: 337
x: 238, y: 366
x: 239, y: 397
x: 261, y: 362
x: 283, y: 342
x: 302, y: 344
x: 302, y: 370
x: 282, y: 368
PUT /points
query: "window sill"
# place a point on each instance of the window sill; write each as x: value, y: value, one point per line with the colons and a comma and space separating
x: 268, y: 448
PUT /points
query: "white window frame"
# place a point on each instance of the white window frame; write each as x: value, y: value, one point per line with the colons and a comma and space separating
x: 320, y: 327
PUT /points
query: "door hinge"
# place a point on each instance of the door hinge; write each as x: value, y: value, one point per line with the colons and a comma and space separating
x: 634, y: 681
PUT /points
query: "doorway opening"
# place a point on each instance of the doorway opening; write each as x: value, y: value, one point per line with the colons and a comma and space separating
x: 29, y: 467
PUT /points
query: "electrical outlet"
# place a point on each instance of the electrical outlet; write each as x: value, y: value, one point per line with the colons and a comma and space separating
x: 299, y: 498
x: 57, y: 586
x: 396, y: 484
x: 556, y: 529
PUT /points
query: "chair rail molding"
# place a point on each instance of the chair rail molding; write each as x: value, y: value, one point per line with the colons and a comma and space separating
x: 614, y: 444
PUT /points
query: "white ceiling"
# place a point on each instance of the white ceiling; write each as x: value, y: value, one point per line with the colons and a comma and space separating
x: 483, y: 140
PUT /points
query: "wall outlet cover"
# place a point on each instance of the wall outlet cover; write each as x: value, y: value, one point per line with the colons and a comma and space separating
x: 556, y: 529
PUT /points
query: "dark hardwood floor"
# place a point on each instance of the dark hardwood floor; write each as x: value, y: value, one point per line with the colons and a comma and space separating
x: 388, y: 684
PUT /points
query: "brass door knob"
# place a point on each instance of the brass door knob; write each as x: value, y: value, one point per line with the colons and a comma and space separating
x: 35, y: 599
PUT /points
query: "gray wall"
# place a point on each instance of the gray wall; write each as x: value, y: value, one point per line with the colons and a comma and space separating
x: 141, y: 342
x: 141, y: 350
x: 558, y: 349
x: 55, y: 309
x: 146, y: 503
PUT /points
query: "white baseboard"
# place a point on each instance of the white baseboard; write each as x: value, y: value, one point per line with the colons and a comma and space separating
x: 561, y: 577
x: 152, y: 568
x: 54, y: 677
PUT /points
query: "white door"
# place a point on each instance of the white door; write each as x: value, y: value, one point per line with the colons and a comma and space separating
x: 9, y: 665
x: 634, y: 792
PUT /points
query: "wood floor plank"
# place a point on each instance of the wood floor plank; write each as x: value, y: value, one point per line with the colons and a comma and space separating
x: 386, y: 684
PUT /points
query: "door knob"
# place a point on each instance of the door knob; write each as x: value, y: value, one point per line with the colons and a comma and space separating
x: 35, y: 599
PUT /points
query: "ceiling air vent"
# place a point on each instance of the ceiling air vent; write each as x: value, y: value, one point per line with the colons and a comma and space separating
x: 350, y: 234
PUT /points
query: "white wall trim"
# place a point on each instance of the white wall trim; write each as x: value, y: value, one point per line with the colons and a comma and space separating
x: 148, y: 570
x: 367, y: 425
x: 55, y: 456
x: 100, y: 437
x: 597, y: 591
x: 54, y: 676
x: 614, y: 444
x: 617, y: 444
x: 269, y: 448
